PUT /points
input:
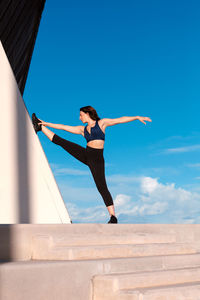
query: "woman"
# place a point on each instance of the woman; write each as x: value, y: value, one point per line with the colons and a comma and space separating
x: 92, y: 155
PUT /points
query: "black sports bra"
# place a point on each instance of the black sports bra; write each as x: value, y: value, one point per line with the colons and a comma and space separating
x: 96, y: 133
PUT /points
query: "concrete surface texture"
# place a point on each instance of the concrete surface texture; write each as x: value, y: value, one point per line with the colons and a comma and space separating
x: 100, y: 262
x: 28, y: 190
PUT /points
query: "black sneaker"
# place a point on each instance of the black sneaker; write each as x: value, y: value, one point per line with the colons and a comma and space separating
x: 113, y: 219
x: 35, y: 122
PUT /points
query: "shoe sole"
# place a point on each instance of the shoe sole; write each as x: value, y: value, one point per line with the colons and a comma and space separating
x: 35, y: 123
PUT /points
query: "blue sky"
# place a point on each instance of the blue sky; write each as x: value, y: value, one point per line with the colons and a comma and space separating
x: 125, y: 58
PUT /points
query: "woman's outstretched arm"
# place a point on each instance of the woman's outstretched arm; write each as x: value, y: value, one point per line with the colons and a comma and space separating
x: 72, y: 129
x: 111, y: 122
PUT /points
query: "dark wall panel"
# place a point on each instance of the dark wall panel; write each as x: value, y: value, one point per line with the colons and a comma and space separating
x: 19, y: 23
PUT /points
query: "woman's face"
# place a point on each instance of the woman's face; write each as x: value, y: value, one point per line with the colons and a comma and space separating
x: 84, y: 117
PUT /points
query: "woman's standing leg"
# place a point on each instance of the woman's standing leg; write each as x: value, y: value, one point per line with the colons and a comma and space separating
x: 97, y: 166
x: 98, y: 174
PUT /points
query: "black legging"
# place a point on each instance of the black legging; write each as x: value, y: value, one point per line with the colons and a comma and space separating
x: 94, y: 159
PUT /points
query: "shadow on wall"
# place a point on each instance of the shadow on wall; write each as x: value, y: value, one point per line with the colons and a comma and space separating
x: 23, y: 158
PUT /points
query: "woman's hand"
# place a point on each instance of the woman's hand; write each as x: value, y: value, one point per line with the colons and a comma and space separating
x: 42, y: 122
x: 142, y: 119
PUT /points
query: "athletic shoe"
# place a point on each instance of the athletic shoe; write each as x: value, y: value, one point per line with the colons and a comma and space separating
x: 35, y: 122
x: 113, y: 219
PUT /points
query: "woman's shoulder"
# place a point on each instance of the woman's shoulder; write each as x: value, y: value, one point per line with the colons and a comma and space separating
x: 101, y: 123
x: 104, y: 122
x: 82, y: 128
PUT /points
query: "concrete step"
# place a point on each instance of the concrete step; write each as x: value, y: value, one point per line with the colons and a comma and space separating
x: 16, y: 240
x: 44, y: 249
x: 77, y: 261
x: 108, y: 287
x: 189, y: 291
x: 38, y: 280
x: 60, y: 239
x: 120, y: 233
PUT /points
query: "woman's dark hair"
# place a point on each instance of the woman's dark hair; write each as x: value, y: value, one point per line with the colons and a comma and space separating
x: 92, y: 112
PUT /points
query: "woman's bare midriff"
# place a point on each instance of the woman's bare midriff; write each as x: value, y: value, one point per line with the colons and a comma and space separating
x: 98, y: 144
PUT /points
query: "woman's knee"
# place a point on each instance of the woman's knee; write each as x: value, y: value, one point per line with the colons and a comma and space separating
x: 102, y: 187
x: 57, y: 139
x: 53, y: 138
x: 106, y: 195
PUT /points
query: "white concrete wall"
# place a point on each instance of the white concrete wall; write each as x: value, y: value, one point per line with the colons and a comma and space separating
x: 28, y: 190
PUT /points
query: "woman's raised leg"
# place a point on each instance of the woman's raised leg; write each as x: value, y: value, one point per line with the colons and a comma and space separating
x: 47, y: 132
x: 75, y: 150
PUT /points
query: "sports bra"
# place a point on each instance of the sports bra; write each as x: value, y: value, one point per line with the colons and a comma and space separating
x: 96, y: 133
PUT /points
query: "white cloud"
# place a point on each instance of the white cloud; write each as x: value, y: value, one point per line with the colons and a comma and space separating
x: 137, y: 199
x: 83, y: 196
x: 87, y: 215
x: 182, y: 149
x: 149, y: 185
x: 122, y: 200
x: 154, y: 209
x: 68, y: 171
x: 197, y: 165
x: 118, y: 178
x: 58, y: 170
